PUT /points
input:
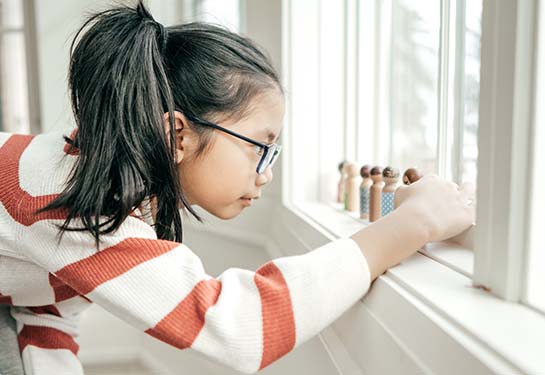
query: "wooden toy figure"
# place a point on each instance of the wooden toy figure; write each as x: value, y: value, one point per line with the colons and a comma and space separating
x: 345, y: 180
x: 340, y: 185
x: 390, y: 177
x: 411, y: 175
x: 352, y: 188
x: 375, y: 194
x: 364, y: 191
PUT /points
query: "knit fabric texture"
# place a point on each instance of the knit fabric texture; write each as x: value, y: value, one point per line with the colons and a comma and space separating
x: 242, y: 319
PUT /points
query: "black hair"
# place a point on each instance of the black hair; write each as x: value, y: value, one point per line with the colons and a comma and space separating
x: 125, y: 72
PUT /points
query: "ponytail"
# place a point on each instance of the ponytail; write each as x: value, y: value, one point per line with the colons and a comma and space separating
x: 119, y: 92
x: 126, y: 71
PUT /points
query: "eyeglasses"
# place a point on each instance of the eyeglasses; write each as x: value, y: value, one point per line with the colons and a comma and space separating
x: 270, y: 151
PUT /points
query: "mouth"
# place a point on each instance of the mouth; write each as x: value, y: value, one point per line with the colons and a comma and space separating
x: 247, y: 201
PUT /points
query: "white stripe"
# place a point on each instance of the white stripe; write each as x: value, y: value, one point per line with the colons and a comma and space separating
x: 24, y: 316
x: 323, y: 284
x: 233, y: 330
x: 43, y: 167
x: 39, y: 241
x: 8, y: 230
x: 145, y: 294
x: 40, y: 361
x: 32, y: 289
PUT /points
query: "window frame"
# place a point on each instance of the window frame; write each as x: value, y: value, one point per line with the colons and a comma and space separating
x: 494, y: 283
x: 31, y: 53
x: 506, y: 111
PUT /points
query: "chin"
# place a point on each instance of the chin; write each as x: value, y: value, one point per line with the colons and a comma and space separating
x: 227, y: 213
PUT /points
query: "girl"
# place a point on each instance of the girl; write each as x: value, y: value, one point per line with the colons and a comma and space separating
x: 162, y: 115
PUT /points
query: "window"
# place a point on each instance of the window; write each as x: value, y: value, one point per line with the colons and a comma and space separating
x: 341, y: 63
x: 535, y: 283
x: 412, y: 77
x: 428, y: 62
x: 19, y: 109
x: 385, y: 82
x: 224, y: 12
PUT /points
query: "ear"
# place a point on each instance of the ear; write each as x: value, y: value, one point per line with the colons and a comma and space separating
x: 182, y: 132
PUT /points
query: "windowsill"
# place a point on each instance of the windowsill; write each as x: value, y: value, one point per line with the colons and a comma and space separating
x: 503, y: 335
x: 456, y: 253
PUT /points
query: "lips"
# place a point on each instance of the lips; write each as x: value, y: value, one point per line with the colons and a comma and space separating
x: 256, y: 197
x: 247, y: 201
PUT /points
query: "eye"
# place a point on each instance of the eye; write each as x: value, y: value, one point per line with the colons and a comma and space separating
x: 258, y: 150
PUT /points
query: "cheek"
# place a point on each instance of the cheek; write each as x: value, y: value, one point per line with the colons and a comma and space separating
x: 222, y: 177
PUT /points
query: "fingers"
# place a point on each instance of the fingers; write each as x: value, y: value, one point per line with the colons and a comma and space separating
x: 472, y: 214
x: 468, y: 188
x: 453, y: 185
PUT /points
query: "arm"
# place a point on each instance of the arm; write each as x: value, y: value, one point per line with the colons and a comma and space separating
x: 428, y: 210
x: 46, y: 338
x: 391, y: 239
x: 242, y: 319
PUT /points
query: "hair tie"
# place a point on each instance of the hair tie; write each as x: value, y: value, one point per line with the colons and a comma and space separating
x: 163, y: 36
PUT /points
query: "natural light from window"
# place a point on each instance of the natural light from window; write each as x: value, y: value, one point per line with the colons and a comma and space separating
x: 13, y: 74
x: 536, y: 257
x: 224, y: 12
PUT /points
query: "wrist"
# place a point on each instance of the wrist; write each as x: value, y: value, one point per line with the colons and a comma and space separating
x: 421, y: 222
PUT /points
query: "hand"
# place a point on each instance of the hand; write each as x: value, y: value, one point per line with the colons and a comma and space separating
x: 444, y: 208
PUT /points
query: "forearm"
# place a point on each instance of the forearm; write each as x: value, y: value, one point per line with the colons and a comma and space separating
x: 391, y: 239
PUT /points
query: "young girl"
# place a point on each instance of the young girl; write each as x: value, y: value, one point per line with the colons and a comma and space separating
x: 167, y: 118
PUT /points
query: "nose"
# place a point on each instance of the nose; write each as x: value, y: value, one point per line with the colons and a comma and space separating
x: 265, y: 177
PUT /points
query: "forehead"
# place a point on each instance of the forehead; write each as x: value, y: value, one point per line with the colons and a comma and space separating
x: 264, y: 120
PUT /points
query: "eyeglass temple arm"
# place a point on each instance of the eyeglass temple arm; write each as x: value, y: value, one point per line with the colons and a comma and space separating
x: 211, y: 124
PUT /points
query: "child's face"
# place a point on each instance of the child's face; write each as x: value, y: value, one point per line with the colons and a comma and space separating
x: 227, y: 171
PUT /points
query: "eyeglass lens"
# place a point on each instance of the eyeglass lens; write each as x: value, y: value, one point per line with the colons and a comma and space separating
x: 269, y: 158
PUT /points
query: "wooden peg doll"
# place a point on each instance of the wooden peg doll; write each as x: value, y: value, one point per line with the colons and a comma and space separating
x: 352, y: 188
x: 411, y: 175
x: 364, y: 191
x: 390, y: 177
x: 340, y: 184
x: 375, y: 192
x: 345, y: 185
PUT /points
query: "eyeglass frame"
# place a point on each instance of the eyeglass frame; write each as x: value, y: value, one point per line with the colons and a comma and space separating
x: 266, y: 147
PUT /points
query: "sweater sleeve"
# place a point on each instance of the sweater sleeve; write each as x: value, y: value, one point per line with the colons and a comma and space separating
x: 242, y: 319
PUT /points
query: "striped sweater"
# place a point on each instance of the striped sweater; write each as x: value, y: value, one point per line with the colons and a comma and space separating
x: 242, y: 319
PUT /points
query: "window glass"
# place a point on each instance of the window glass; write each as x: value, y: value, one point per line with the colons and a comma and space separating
x: 11, y: 14
x: 224, y: 12
x: 414, y: 83
x: 471, y: 80
x: 13, y: 83
x: 536, y: 256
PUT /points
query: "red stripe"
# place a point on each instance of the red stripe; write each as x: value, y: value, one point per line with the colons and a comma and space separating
x: 47, y: 338
x: 182, y: 325
x: 18, y: 203
x: 85, y: 275
x: 5, y: 300
x: 47, y: 309
x: 61, y: 290
x: 277, y: 312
